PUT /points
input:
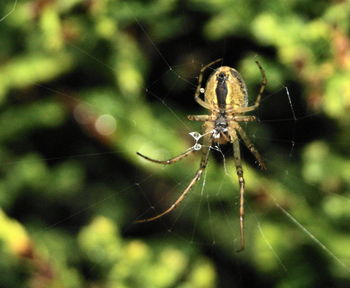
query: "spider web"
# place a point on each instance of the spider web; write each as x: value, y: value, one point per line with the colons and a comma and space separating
x: 142, y: 183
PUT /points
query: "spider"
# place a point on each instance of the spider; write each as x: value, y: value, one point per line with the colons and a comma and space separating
x: 226, y: 97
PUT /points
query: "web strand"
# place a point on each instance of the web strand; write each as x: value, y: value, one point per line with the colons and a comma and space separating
x: 310, y: 235
x: 10, y: 12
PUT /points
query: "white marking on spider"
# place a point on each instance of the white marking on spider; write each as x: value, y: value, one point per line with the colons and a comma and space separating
x: 196, y: 135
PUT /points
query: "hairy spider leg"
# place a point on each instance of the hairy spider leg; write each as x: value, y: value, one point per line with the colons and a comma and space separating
x: 242, y: 118
x: 198, y: 90
x: 171, y: 160
x: 203, y: 164
x: 249, y: 145
x: 202, y: 118
x: 239, y: 171
x: 233, y: 127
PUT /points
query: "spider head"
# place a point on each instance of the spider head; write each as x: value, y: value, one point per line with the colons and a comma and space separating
x: 221, y: 77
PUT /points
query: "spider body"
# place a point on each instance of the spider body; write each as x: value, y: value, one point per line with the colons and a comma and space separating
x: 226, y: 97
x: 224, y: 92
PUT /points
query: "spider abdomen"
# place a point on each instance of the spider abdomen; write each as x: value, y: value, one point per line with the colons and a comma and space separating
x: 226, y: 89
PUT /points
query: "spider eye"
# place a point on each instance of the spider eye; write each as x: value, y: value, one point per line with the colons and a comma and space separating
x: 221, y: 76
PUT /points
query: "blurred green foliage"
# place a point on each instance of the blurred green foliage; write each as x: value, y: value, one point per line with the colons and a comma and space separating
x: 86, y: 84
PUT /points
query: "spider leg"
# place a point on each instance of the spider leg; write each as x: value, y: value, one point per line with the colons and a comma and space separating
x: 250, y: 146
x: 261, y: 91
x: 223, y: 135
x: 171, y: 160
x: 198, y: 89
x: 242, y: 118
x: 203, y: 165
x: 239, y: 171
x: 202, y: 118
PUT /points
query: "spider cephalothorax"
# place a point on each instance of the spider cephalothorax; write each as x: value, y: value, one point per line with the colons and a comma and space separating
x: 226, y: 97
x: 220, y: 129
